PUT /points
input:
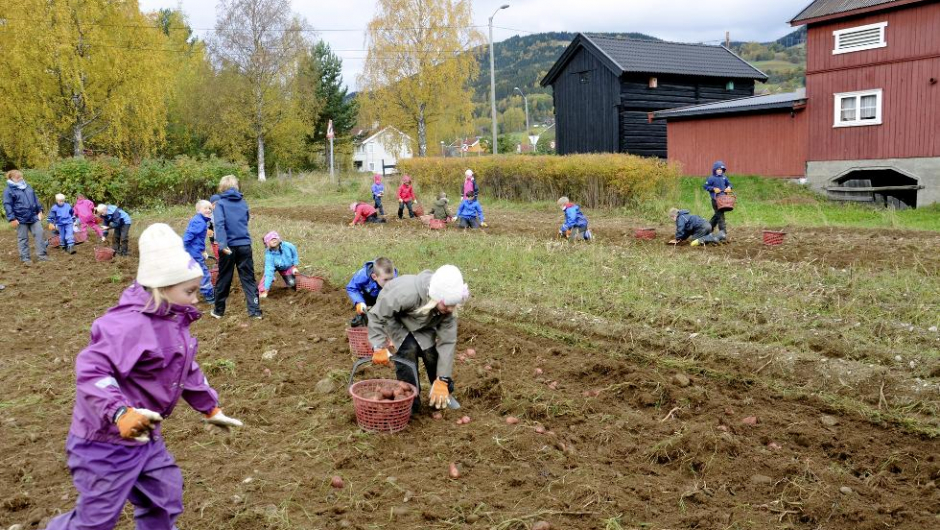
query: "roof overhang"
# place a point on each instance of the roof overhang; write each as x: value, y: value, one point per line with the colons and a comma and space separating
x: 748, y: 105
x: 797, y: 21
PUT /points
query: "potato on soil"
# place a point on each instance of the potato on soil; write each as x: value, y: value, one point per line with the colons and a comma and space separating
x: 542, y: 525
x: 337, y: 482
x: 453, y: 471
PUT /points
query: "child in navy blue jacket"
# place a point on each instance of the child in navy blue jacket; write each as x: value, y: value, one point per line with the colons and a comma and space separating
x: 62, y: 218
x: 575, y: 227
x: 194, y: 241
x: 364, y: 287
x: 231, y: 218
x: 715, y: 185
x: 116, y: 219
x: 692, y: 227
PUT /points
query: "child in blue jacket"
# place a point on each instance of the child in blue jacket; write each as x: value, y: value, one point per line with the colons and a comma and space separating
x: 230, y: 219
x: 575, y: 227
x: 715, y: 185
x: 62, y: 218
x: 279, y: 256
x: 194, y: 241
x: 118, y: 220
x: 364, y: 287
x: 692, y: 227
x: 378, y: 191
x: 470, y: 213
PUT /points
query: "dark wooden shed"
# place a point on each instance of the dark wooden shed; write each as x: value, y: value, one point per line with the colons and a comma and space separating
x: 605, y: 89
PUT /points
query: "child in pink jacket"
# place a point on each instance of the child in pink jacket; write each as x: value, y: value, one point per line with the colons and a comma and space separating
x: 85, y: 210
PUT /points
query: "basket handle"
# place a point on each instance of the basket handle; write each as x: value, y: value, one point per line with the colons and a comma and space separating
x: 394, y: 358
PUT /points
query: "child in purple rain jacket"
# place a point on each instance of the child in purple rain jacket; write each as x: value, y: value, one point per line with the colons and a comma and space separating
x: 139, y: 363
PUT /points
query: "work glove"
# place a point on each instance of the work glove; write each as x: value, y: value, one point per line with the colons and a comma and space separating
x: 210, y: 233
x: 14, y: 223
x: 439, y: 394
x: 294, y: 271
x: 484, y: 225
x: 568, y: 233
x: 716, y: 190
x: 360, y: 308
x: 728, y: 190
x: 205, y: 255
x: 227, y: 251
x: 136, y: 424
x: 50, y: 226
x: 380, y: 357
x: 219, y: 419
x: 262, y: 294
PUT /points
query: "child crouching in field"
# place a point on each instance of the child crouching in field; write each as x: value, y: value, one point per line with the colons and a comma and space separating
x: 194, y: 241
x: 364, y: 287
x: 62, y: 218
x: 279, y: 257
x: 439, y: 210
x: 692, y: 227
x: 575, y: 227
x: 116, y: 219
x: 364, y: 213
x: 140, y: 361
x: 470, y: 214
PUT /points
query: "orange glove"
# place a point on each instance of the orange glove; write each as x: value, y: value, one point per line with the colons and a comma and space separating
x: 210, y: 233
x: 51, y: 227
x: 136, y: 424
x: 14, y: 223
x: 439, y: 394
x: 360, y: 308
x: 380, y: 357
x: 567, y: 233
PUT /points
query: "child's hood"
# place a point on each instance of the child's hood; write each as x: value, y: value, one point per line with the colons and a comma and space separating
x: 231, y: 194
x: 716, y: 166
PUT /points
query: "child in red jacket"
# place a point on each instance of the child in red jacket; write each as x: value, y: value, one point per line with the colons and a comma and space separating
x: 365, y: 213
x: 406, y: 197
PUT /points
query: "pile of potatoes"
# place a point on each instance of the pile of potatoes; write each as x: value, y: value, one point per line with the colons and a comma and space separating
x: 389, y: 392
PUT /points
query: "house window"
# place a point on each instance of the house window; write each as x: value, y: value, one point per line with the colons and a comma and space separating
x: 654, y: 82
x: 729, y: 86
x: 853, y: 109
x: 860, y: 38
x: 584, y: 77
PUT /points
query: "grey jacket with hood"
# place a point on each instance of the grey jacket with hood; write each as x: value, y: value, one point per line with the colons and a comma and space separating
x: 396, y: 314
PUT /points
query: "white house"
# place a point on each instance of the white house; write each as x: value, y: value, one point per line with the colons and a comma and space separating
x: 380, y: 152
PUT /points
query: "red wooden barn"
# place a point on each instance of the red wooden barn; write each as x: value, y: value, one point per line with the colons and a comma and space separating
x: 867, y: 128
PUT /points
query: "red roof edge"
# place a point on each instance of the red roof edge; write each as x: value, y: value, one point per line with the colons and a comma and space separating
x: 855, y: 12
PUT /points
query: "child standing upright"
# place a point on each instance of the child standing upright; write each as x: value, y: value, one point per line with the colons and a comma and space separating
x: 85, y: 210
x: 62, y: 218
x: 470, y: 185
x: 116, y: 219
x: 231, y: 218
x: 470, y: 213
x: 378, y: 191
x: 715, y: 185
x: 575, y: 227
x: 279, y: 257
x: 140, y: 361
x: 194, y: 241
x: 406, y: 197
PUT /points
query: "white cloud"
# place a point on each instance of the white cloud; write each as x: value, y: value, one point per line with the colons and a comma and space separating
x: 678, y: 20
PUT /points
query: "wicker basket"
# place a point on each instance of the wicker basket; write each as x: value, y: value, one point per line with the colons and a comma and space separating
x: 437, y: 224
x: 359, y: 342
x: 725, y: 202
x: 54, y: 241
x: 426, y: 218
x: 81, y: 237
x: 309, y: 283
x: 773, y: 238
x: 645, y: 234
x: 418, y: 210
x: 104, y: 253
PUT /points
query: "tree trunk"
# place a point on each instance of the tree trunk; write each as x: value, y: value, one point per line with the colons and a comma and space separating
x: 261, y: 177
x: 78, y: 143
x: 422, y: 132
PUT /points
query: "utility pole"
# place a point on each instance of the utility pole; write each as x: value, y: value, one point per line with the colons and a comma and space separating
x: 728, y: 40
x: 493, y: 77
x: 526, y: 101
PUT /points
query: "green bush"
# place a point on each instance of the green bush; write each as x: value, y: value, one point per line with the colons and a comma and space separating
x: 153, y: 182
x: 604, y: 180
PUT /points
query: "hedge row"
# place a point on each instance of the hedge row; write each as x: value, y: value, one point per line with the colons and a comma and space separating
x: 182, y: 180
x: 604, y: 180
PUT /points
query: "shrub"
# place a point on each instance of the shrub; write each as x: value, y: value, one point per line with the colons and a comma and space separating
x: 603, y: 180
x: 153, y: 182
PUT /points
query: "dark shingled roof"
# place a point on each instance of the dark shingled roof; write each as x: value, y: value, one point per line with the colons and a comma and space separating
x: 658, y: 57
x: 826, y: 8
x: 788, y: 100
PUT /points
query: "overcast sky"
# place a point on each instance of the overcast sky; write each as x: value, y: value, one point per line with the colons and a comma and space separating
x: 341, y: 22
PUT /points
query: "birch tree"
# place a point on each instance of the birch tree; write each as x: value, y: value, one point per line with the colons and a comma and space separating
x: 262, y: 41
x: 418, y: 66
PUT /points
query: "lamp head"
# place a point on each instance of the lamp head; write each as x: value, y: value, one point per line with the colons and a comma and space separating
x: 504, y: 6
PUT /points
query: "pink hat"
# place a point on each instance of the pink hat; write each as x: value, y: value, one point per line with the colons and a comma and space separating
x: 406, y: 179
x: 352, y: 207
x: 271, y: 235
x: 377, y: 178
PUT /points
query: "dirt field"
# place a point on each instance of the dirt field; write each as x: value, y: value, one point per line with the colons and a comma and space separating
x: 654, y: 448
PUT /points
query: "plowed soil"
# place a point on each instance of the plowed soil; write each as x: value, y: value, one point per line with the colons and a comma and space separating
x: 603, y: 441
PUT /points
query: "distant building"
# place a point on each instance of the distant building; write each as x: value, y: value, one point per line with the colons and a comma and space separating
x: 867, y: 129
x: 380, y: 151
x: 606, y: 88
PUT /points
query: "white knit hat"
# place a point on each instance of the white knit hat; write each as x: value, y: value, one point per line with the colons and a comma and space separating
x: 447, y: 286
x: 163, y: 260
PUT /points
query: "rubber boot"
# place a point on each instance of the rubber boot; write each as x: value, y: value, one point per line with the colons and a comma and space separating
x: 70, y: 250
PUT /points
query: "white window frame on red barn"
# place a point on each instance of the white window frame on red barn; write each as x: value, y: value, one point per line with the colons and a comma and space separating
x: 858, y: 121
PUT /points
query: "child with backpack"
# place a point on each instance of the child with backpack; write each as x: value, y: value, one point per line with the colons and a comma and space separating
x: 62, y: 218
x: 140, y: 361
x: 279, y: 257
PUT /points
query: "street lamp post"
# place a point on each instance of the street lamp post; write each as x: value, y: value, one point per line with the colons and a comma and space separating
x: 443, y: 155
x: 493, y: 77
x: 526, y: 101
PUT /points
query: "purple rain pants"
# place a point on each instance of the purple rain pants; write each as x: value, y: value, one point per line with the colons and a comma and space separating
x: 106, y: 475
